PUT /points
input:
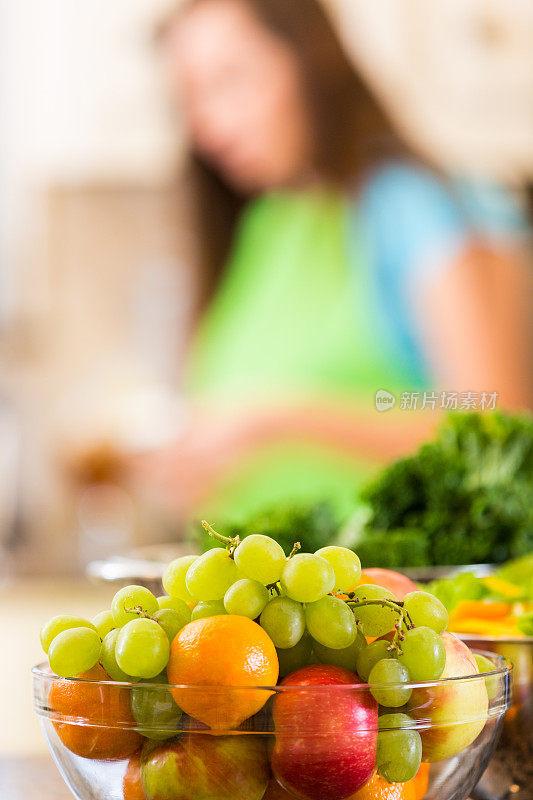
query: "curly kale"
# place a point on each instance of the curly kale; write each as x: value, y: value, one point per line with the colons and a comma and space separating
x: 313, y: 526
x: 468, y: 494
x: 466, y: 497
x: 391, y: 548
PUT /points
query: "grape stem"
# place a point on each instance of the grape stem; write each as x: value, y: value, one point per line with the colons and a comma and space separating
x: 230, y: 543
x: 396, y: 605
x: 296, y: 546
x: 139, y: 611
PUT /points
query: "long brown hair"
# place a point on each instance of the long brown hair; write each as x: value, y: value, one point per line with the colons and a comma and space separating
x: 351, y: 133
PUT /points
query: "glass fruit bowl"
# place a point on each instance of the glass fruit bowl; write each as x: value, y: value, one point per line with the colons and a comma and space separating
x: 510, y: 772
x: 314, y: 742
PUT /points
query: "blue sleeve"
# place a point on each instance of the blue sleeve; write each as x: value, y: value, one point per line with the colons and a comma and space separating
x: 412, y: 228
x: 415, y: 224
x: 415, y: 227
x: 494, y: 212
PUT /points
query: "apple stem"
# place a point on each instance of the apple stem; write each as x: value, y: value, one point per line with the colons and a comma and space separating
x: 230, y: 543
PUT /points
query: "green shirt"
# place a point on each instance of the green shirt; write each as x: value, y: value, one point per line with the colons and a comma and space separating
x: 296, y: 317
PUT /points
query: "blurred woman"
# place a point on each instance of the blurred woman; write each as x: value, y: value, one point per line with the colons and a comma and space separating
x: 333, y: 264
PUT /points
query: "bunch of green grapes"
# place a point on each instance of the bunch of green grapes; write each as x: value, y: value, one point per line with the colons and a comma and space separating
x: 131, y: 640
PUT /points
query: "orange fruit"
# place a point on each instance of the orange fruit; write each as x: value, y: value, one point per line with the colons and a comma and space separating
x: 377, y: 788
x: 364, y: 578
x: 221, y: 652
x: 421, y: 781
x: 132, y: 785
x: 105, y: 734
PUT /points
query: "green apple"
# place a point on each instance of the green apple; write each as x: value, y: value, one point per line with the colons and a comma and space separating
x: 206, y: 767
x: 456, y: 711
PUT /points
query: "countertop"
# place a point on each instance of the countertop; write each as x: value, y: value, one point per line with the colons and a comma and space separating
x: 25, y: 605
x: 34, y: 778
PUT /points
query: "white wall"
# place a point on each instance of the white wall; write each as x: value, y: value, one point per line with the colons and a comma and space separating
x: 458, y: 75
x: 82, y: 87
x: 82, y: 99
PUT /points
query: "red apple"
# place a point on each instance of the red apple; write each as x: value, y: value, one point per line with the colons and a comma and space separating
x: 457, y: 711
x: 325, y: 746
x: 395, y: 582
x: 206, y: 767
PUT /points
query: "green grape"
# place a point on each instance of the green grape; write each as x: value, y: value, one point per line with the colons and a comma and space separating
x: 260, y: 558
x: 109, y: 661
x: 174, y: 578
x: 346, y: 657
x: 369, y: 656
x: 346, y: 565
x: 142, y: 648
x: 104, y: 622
x: 209, y: 608
x: 154, y: 709
x: 211, y: 575
x: 293, y: 658
x: 171, y: 621
x: 423, y: 654
x: 486, y: 666
x: 176, y: 604
x: 61, y: 623
x: 246, y: 598
x: 307, y: 578
x: 127, y: 602
x: 74, y: 651
x: 375, y: 620
x: 426, y: 610
x: 389, y: 671
x: 331, y: 622
x: 399, y: 750
x: 284, y: 621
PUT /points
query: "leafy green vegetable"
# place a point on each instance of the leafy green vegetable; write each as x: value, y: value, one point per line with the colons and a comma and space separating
x: 390, y: 548
x: 525, y: 624
x: 466, y: 497
x: 314, y: 526
x: 520, y: 573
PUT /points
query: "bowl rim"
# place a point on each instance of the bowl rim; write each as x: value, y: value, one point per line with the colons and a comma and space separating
x: 480, y: 638
x: 505, y: 668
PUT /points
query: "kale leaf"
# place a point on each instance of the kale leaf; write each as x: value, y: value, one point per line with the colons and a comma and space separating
x: 466, y: 497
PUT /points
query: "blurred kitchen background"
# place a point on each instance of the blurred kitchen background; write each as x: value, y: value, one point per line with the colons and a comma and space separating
x: 97, y: 283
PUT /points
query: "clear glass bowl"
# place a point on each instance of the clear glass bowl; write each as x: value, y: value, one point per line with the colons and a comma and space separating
x: 318, y: 740
x: 510, y: 772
